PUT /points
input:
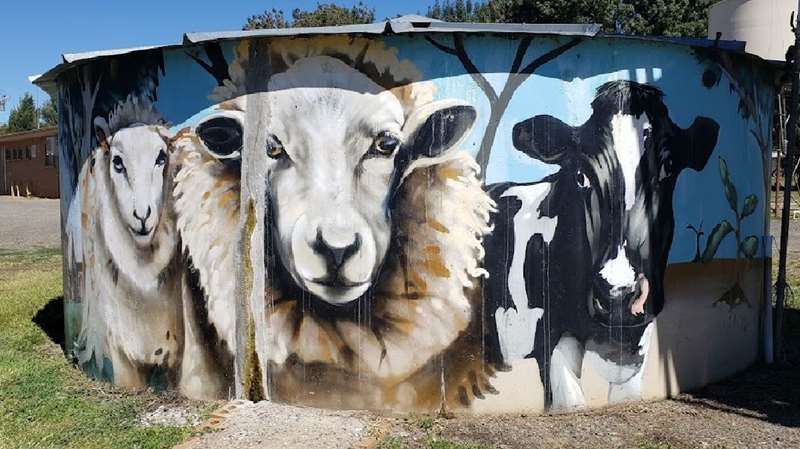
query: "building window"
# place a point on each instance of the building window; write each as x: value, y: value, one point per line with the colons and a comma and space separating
x: 8, y: 154
x: 51, y: 152
x: 33, y: 151
x: 28, y: 153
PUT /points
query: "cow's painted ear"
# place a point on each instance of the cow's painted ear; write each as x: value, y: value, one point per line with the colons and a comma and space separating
x: 437, y: 127
x: 544, y: 137
x: 701, y: 140
x: 101, y: 132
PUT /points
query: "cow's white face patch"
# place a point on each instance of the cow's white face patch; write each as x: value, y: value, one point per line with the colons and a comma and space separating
x: 628, y: 134
x: 618, y: 271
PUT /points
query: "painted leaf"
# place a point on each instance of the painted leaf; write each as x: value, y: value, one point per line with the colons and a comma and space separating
x: 750, y: 203
x: 749, y: 246
x: 719, y: 232
x: 727, y: 185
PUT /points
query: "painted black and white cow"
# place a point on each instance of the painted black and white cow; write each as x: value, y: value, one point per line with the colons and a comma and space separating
x: 577, y: 260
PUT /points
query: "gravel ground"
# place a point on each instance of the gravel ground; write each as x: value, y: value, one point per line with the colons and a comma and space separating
x: 29, y: 223
x: 265, y: 425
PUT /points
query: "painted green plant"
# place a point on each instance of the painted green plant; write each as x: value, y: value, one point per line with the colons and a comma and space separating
x: 746, y: 246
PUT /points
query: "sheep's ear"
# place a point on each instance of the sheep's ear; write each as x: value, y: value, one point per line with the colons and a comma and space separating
x: 223, y: 137
x: 437, y: 127
x: 101, y: 131
x: 545, y: 138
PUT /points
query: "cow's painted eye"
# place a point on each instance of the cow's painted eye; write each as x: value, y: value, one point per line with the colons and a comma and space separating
x: 385, y: 144
x: 119, y: 167
x: 222, y: 136
x: 275, y: 148
x: 581, y: 180
x: 161, y: 159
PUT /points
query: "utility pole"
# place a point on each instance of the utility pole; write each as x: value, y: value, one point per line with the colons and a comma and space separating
x: 793, y: 61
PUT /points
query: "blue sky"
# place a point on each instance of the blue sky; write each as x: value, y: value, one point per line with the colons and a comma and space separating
x: 33, y: 35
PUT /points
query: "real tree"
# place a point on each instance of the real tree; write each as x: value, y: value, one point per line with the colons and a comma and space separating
x: 326, y: 14
x: 23, y: 116
x: 652, y: 17
x: 48, y: 113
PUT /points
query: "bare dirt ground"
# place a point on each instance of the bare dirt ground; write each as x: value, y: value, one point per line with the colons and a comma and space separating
x: 29, y: 223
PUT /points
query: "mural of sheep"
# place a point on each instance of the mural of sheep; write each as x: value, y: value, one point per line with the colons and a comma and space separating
x: 374, y: 275
x: 206, y: 197
x: 121, y: 231
x: 371, y: 274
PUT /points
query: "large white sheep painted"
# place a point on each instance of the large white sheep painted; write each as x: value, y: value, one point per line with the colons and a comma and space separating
x: 374, y: 226
x: 121, y: 232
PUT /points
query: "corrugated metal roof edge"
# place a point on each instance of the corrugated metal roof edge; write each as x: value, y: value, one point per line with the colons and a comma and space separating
x: 405, y: 24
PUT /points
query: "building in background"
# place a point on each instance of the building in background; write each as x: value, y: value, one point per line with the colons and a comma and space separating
x: 29, y: 163
x: 763, y: 24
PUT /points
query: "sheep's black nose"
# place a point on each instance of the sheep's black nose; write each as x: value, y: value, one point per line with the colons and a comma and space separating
x: 335, y: 256
x: 146, y: 216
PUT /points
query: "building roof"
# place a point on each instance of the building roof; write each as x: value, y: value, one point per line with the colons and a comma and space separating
x: 22, y: 135
x: 400, y: 25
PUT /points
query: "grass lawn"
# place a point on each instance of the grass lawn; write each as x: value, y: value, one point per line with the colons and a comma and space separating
x: 44, y: 401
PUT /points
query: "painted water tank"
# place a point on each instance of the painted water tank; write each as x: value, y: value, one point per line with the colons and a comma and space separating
x: 414, y: 215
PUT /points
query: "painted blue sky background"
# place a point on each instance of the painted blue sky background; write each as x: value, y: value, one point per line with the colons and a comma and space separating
x: 563, y: 88
x: 33, y: 35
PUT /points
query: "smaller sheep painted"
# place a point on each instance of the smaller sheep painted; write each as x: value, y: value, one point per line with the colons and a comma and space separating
x: 121, y: 232
x: 206, y: 199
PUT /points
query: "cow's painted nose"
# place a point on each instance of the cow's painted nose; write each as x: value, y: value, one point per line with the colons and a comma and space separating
x: 334, y: 253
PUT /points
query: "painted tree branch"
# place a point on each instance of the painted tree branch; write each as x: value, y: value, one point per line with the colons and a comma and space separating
x: 499, y: 103
x: 218, y: 67
x: 473, y: 71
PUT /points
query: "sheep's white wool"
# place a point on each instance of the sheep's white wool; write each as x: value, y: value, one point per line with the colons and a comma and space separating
x: 206, y: 197
x: 424, y: 298
x: 130, y: 305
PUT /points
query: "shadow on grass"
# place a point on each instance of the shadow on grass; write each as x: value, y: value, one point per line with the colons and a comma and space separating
x: 50, y: 319
x: 765, y: 392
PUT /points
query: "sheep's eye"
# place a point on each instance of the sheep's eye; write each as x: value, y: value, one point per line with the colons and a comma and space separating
x: 119, y: 167
x: 222, y: 136
x: 275, y: 148
x: 581, y: 180
x: 161, y: 159
x: 385, y: 144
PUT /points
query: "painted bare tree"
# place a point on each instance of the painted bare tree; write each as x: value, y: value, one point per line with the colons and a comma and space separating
x: 517, y: 74
x: 76, y: 130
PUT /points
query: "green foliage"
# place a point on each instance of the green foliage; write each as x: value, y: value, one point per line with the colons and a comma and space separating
x: 727, y: 185
x: 326, y: 14
x: 747, y: 247
x: 720, y: 231
x: 48, y: 113
x: 650, y: 17
x: 23, y: 116
x: 44, y: 401
x: 391, y: 443
x: 426, y: 423
x: 447, y: 444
